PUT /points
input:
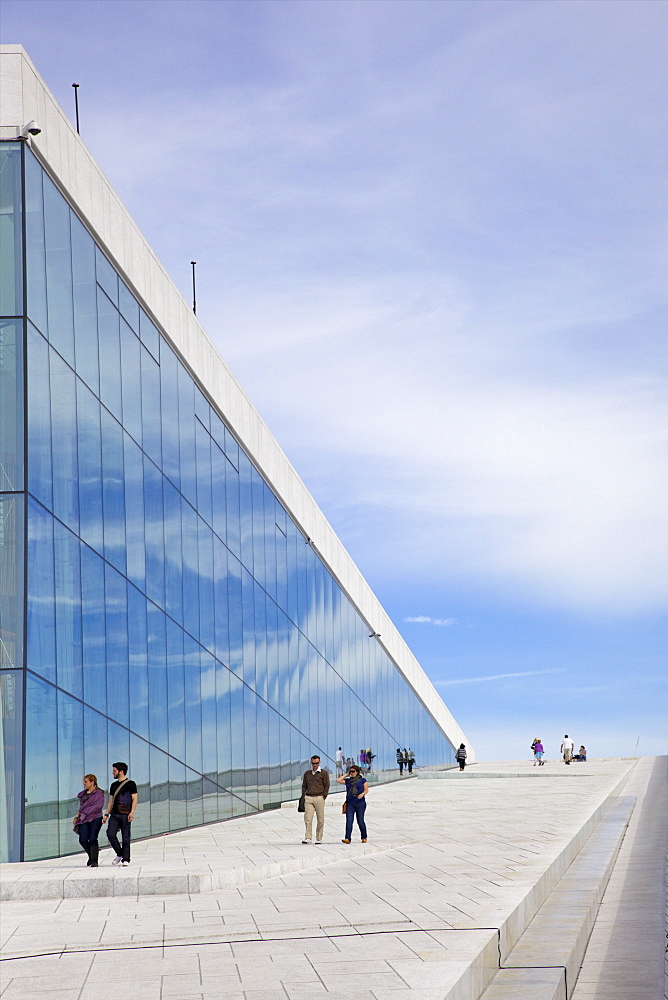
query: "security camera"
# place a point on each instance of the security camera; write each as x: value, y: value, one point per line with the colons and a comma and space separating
x: 32, y: 128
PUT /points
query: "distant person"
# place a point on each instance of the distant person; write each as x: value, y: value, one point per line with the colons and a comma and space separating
x: 582, y: 755
x: 538, y: 751
x: 370, y: 758
x: 400, y: 760
x: 338, y: 757
x: 349, y: 763
x: 410, y: 760
x: 409, y: 766
x: 533, y: 748
x: 567, y: 749
x: 315, y: 789
x: 460, y: 756
x: 88, y: 820
x: 355, y: 804
x: 120, y: 812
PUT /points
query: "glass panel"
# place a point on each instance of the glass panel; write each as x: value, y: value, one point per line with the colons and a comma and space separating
x: 176, y: 692
x: 11, y: 231
x: 131, y: 382
x: 42, y: 838
x: 155, y: 544
x: 150, y: 336
x: 157, y: 677
x: 203, y: 449
x: 63, y: 441
x: 113, y: 492
x: 41, y: 631
x: 40, y: 473
x: 109, y: 344
x: 11, y: 579
x: 139, y: 763
x: 150, y: 406
x: 93, y: 639
x: 85, y: 305
x: 159, y: 791
x: 116, y: 622
x: 186, y: 390
x: 206, y: 592
x: 138, y: 663
x: 190, y: 569
x: 135, y: 526
x: 193, y: 702
x: 68, y: 610
x: 169, y: 414
x: 90, y: 467
x: 11, y: 405
x: 173, y: 555
x: 128, y: 306
x: 35, y: 249
x: 58, y: 271
x: 70, y: 768
x: 106, y: 276
x: 11, y: 754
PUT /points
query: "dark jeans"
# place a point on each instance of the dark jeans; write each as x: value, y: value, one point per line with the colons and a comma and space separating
x: 119, y: 822
x: 88, y: 833
x: 355, y: 808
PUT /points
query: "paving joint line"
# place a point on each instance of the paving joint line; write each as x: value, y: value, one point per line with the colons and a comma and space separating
x: 163, y: 945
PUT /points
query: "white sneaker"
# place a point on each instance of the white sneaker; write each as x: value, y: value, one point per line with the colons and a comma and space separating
x: 306, y: 841
x: 125, y: 864
x: 318, y: 841
x: 116, y: 860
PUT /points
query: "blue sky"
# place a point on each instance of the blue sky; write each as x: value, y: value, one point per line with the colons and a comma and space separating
x: 431, y: 244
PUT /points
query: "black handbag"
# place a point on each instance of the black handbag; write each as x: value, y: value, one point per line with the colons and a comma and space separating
x: 301, y: 807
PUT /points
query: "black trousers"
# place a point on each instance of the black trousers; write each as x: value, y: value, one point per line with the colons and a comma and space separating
x: 88, y: 833
x: 119, y: 822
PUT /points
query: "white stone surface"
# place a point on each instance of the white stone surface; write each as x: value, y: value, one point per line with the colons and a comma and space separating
x: 24, y: 96
x: 418, y: 922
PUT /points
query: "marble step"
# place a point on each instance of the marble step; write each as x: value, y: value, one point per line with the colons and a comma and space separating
x: 545, y: 962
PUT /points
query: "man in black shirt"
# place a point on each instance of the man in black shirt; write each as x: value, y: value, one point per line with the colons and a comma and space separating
x: 120, y: 812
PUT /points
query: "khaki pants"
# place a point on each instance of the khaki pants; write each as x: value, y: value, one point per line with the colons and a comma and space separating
x: 568, y: 756
x: 314, y: 804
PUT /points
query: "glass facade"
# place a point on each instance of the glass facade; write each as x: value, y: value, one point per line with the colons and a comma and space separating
x: 159, y: 604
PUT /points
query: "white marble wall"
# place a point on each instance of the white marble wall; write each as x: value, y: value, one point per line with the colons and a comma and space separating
x: 24, y: 96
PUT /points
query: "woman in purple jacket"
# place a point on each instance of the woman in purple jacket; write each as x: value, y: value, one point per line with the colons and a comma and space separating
x: 88, y: 820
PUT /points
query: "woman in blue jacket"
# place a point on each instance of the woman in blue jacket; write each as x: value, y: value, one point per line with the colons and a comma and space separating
x: 356, y: 791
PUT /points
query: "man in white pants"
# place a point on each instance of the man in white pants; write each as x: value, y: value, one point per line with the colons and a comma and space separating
x: 567, y: 749
x: 315, y: 788
x: 339, y: 761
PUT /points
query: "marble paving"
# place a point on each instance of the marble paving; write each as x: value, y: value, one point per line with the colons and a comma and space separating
x: 459, y: 864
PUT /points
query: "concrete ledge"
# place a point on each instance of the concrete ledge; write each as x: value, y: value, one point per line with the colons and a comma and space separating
x: 86, y: 882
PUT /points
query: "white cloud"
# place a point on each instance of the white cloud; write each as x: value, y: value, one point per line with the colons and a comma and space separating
x: 445, y: 294
x: 495, y: 677
x: 425, y: 619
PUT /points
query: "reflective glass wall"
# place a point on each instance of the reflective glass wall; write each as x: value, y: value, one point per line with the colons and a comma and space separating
x: 176, y: 617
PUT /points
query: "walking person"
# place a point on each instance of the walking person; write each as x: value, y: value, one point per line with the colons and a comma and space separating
x: 338, y: 757
x: 400, y: 760
x: 460, y: 756
x: 410, y: 760
x: 88, y: 820
x: 315, y: 789
x: 355, y: 805
x: 120, y: 812
x: 538, y: 751
x: 567, y: 749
